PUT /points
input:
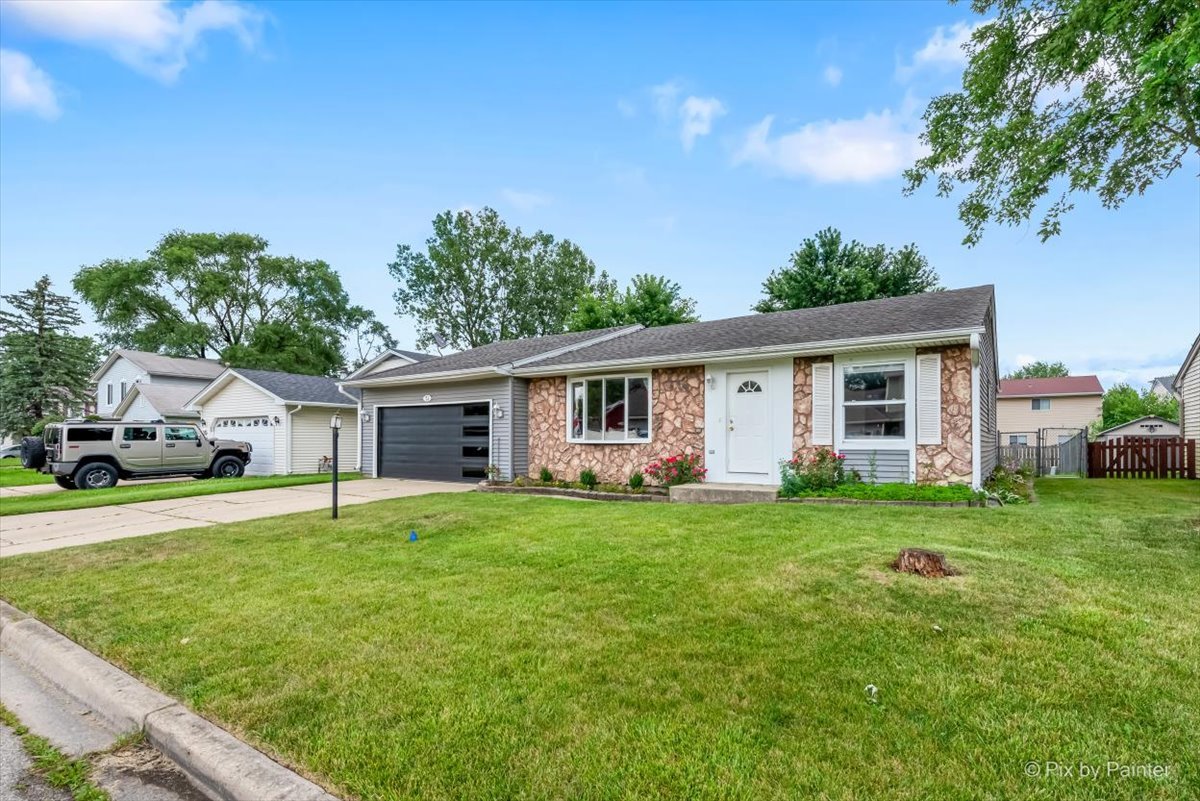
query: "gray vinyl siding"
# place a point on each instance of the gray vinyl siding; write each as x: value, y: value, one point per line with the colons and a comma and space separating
x: 520, y: 426
x: 499, y: 390
x: 890, y: 466
x: 989, y: 445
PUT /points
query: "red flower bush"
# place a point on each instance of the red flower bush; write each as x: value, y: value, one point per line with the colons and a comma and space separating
x: 683, y: 468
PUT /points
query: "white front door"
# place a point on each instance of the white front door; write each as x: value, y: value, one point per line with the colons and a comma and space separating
x: 748, y: 422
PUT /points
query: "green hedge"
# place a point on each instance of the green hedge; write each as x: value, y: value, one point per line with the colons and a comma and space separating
x: 894, y: 492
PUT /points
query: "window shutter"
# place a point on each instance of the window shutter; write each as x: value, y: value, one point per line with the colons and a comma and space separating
x: 822, y: 404
x: 929, y: 399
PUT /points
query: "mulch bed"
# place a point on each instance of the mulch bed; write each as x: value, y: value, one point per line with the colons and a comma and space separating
x: 651, y: 495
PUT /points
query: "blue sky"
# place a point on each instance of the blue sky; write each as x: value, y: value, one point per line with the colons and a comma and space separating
x: 702, y: 142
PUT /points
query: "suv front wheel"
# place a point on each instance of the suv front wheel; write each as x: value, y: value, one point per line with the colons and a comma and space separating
x: 228, y: 467
x: 96, y: 476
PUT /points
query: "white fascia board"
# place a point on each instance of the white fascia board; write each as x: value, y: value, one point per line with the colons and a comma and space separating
x: 427, y: 378
x: 586, y: 343
x: 112, y: 357
x: 387, y: 354
x: 924, y: 339
x: 208, y: 389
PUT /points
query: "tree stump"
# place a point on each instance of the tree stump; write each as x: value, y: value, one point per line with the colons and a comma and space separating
x: 927, y: 564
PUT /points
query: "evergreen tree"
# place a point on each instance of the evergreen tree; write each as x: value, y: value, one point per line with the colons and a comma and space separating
x: 45, y: 369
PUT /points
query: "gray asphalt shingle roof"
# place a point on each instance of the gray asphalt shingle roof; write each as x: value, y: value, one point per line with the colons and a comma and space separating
x: 416, y: 356
x: 912, y: 314
x: 493, y: 355
x: 157, y: 364
x: 167, y: 400
x: 295, y: 388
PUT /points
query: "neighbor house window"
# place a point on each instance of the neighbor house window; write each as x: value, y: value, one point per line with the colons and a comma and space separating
x: 1018, y: 439
x: 609, y: 409
x: 124, y: 389
x: 1040, y: 404
x: 108, y: 393
x: 873, y: 404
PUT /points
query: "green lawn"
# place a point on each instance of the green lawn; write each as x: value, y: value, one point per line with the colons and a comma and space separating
x: 13, y: 475
x: 133, y: 491
x: 531, y: 647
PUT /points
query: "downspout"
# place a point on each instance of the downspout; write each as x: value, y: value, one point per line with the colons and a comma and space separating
x: 359, y: 426
x: 976, y: 434
x: 287, y: 442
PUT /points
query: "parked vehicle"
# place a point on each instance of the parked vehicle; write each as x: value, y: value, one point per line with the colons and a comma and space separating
x: 94, y: 455
x: 10, y: 452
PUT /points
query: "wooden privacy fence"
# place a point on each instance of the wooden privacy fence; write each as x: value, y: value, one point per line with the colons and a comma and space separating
x: 1142, y: 457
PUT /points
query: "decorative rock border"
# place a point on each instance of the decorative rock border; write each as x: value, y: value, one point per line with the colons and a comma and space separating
x: 649, y: 496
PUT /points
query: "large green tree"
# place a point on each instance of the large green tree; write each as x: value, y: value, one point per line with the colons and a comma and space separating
x: 650, y: 300
x: 1040, y: 369
x: 827, y: 270
x: 1062, y: 97
x: 224, y: 296
x: 479, y: 281
x: 45, y: 368
x: 1123, y: 403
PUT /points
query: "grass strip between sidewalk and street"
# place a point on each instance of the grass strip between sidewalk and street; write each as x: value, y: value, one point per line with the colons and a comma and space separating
x: 133, y: 492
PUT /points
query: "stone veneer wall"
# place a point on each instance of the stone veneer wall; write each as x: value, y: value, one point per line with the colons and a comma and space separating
x: 802, y: 382
x: 677, y: 426
x: 950, y: 462
x: 947, y: 463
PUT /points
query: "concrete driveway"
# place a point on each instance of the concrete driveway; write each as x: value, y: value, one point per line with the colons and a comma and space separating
x: 49, y: 531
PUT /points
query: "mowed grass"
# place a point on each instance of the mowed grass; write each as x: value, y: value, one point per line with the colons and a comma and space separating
x: 13, y: 475
x: 134, y: 491
x: 530, y: 647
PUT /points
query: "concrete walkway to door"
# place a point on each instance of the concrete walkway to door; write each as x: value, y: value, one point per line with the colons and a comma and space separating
x: 48, y: 531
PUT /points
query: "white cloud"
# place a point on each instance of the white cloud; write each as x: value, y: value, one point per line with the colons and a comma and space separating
x: 525, y: 201
x: 832, y: 75
x: 1024, y: 359
x: 943, y: 51
x: 151, y: 36
x: 665, y: 97
x: 625, y: 108
x: 698, y: 114
x: 872, y: 148
x: 25, y: 87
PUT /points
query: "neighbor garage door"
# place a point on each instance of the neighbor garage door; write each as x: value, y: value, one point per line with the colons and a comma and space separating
x: 259, y: 432
x: 439, y: 443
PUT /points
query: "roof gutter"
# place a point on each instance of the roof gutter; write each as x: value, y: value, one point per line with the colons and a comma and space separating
x: 422, y: 378
x: 925, y: 338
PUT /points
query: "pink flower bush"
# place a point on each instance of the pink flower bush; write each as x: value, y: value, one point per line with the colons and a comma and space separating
x: 683, y: 468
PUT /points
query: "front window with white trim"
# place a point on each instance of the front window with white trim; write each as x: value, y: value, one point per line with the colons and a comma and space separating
x: 873, y: 403
x: 609, y: 409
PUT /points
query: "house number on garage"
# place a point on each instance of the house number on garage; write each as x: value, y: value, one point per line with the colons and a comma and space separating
x: 427, y: 398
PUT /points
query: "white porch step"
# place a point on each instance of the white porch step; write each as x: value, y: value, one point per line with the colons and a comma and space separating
x: 723, y: 493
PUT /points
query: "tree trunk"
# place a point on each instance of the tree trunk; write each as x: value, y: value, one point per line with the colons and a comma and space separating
x: 927, y: 564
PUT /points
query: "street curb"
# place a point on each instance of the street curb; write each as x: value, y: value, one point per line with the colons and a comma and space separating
x: 221, y: 766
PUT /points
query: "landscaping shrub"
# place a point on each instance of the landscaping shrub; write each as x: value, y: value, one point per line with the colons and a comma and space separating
x: 824, y: 470
x: 636, y: 481
x: 588, y: 479
x: 683, y: 468
x: 545, y: 476
x: 1010, y: 483
x: 894, y: 492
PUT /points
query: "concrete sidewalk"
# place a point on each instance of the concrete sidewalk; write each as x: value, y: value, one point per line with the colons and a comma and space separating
x: 48, y: 531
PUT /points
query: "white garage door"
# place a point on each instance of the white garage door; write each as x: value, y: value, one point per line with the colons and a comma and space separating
x: 259, y: 432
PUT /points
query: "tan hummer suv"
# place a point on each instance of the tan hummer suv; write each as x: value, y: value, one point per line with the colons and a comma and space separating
x: 94, y: 455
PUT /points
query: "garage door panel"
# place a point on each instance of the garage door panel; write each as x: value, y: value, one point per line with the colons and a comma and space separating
x: 259, y: 432
x: 443, y: 443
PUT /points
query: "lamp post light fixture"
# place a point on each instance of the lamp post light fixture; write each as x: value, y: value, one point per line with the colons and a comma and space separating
x: 335, y: 425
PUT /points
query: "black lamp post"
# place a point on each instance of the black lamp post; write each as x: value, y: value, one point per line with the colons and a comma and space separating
x: 335, y: 425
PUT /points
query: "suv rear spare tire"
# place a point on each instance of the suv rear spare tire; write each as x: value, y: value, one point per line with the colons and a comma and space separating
x: 228, y: 467
x: 33, y: 453
x: 96, y: 475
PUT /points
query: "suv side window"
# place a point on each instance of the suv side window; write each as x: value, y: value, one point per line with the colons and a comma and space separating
x: 89, y: 434
x: 140, y: 434
x: 180, y: 434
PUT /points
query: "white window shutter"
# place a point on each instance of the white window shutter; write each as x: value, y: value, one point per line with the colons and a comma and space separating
x: 822, y: 404
x: 929, y: 399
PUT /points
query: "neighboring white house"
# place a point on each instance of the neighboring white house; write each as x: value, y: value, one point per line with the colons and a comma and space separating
x: 1149, y: 426
x: 389, y: 360
x: 1164, y: 387
x: 1187, y: 384
x: 124, y: 369
x: 166, y: 402
x: 284, y: 416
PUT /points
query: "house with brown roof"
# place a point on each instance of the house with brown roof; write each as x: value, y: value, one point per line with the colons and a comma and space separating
x: 1027, y: 405
x: 904, y: 387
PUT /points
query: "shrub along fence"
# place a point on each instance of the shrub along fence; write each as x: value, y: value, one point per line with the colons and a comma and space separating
x: 1142, y: 457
